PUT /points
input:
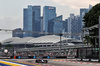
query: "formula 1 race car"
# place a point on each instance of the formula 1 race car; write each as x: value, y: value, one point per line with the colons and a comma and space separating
x: 41, y: 61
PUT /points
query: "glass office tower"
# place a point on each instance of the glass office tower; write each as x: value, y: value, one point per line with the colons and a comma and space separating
x: 74, y: 26
x: 31, y: 21
x: 36, y: 21
x: 55, y: 25
x: 49, y: 12
x: 83, y: 11
x: 17, y: 33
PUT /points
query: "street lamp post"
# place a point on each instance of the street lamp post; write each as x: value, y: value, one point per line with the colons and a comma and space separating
x: 82, y: 54
x: 99, y: 38
x: 60, y: 43
x: 13, y: 51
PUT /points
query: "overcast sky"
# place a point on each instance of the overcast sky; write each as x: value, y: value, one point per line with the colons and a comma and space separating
x: 11, y: 11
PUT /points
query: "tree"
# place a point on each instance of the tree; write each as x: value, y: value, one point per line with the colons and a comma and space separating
x: 0, y: 45
x: 90, y: 19
x: 10, y: 46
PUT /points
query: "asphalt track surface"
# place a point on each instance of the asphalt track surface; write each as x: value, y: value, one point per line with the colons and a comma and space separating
x: 14, y: 63
x: 51, y: 62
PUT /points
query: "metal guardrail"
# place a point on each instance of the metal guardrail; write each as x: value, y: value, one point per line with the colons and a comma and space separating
x: 51, y: 48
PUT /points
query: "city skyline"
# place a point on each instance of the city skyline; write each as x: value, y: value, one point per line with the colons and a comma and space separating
x: 14, y: 9
x: 51, y: 23
x: 49, y: 32
x: 12, y: 16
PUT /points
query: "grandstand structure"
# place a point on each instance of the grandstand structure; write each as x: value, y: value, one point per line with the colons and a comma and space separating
x: 44, y: 45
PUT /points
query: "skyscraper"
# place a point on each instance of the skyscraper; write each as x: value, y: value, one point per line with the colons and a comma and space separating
x: 17, y: 33
x: 27, y: 21
x: 83, y: 11
x: 41, y: 24
x: 65, y: 27
x: 49, y: 12
x: 90, y: 6
x: 31, y: 21
x: 74, y: 26
x: 55, y: 25
x: 36, y: 21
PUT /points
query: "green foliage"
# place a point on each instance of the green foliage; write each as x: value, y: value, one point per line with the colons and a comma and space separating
x: 92, y: 18
x: 9, y: 45
x: 0, y: 45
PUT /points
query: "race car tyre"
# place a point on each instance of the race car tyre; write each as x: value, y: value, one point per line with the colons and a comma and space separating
x: 36, y: 61
x: 46, y: 61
